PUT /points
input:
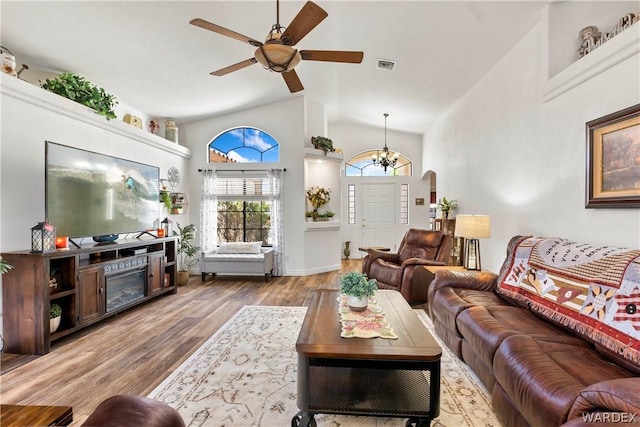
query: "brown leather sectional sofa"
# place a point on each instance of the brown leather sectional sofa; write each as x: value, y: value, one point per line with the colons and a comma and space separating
x: 541, y: 369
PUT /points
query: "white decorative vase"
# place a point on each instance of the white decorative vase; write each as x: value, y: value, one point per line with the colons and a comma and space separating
x: 358, y: 303
x: 54, y: 324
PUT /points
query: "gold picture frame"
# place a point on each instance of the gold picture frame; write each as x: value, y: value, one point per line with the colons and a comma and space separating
x: 613, y: 160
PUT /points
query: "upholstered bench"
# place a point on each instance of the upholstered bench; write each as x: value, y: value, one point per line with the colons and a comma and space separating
x: 240, y: 258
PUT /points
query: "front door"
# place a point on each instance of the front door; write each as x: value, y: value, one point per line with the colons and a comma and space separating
x: 378, y: 225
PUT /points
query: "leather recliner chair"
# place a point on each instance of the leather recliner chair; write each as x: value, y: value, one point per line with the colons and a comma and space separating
x: 402, y: 271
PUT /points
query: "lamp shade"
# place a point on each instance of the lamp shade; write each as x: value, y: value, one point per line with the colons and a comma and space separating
x: 473, y: 226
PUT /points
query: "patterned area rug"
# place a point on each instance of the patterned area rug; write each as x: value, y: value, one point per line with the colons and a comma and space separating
x: 245, y: 375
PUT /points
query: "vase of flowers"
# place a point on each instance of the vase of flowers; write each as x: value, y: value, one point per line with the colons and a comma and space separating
x: 318, y: 197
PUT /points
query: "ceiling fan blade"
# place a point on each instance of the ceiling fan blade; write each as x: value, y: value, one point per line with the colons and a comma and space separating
x: 292, y: 80
x: 332, y: 56
x: 235, y: 67
x: 224, y: 31
x: 306, y: 20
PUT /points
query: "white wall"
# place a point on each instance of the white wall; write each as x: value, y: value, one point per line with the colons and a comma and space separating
x: 29, y: 117
x: 291, y: 122
x: 354, y: 139
x: 502, y: 151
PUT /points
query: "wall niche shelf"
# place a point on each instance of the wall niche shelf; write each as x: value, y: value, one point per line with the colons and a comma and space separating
x: 321, y: 225
x: 312, y: 153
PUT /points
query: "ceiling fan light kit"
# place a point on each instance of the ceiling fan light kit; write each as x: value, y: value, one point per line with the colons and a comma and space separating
x: 278, y: 53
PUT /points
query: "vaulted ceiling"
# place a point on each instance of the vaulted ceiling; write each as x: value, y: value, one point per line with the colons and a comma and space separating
x: 149, y: 56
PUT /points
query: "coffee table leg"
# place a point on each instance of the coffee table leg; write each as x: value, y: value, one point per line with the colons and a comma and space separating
x: 302, y: 419
x: 418, y: 422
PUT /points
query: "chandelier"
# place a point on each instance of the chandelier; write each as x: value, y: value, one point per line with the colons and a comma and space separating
x: 385, y: 158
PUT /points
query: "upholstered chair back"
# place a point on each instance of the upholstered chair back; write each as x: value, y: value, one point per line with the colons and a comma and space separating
x: 424, y: 244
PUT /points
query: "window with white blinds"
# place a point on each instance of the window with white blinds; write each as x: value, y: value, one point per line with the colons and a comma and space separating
x: 243, y: 188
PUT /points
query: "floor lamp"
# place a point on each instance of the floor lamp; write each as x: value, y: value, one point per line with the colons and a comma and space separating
x: 472, y: 228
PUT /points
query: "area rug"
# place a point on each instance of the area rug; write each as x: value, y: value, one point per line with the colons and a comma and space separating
x: 245, y: 375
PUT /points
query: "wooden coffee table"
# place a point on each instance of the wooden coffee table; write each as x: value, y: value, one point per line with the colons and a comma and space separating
x: 358, y: 376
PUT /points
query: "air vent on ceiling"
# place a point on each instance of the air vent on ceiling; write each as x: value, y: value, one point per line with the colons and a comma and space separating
x: 386, y: 64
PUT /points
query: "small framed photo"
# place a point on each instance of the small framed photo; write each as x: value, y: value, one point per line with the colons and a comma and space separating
x: 613, y: 160
x: 419, y: 201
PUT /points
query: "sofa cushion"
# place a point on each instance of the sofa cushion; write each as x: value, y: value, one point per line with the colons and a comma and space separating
x: 484, y: 328
x: 239, y: 247
x: 447, y: 303
x: 593, y: 290
x: 543, y: 377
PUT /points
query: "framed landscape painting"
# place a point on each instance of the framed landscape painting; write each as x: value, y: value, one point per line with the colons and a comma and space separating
x: 613, y: 160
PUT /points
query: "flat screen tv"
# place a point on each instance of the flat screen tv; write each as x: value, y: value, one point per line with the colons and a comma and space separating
x: 92, y: 194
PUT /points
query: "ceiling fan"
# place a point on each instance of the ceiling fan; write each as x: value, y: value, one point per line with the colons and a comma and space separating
x: 278, y: 52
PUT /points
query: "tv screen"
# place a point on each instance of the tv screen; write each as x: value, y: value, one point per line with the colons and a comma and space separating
x: 92, y: 194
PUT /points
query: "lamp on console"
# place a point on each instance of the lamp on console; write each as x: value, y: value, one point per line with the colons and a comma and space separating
x: 472, y: 228
x: 43, y: 237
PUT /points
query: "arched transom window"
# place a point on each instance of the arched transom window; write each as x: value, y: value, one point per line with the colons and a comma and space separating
x: 362, y: 165
x: 244, y: 145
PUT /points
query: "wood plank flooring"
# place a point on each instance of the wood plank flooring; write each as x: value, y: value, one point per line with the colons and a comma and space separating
x: 134, y: 351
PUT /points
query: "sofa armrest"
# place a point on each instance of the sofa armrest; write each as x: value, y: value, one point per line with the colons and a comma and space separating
x: 421, y: 261
x: 620, y: 395
x: 482, y: 281
x: 375, y: 254
x: 208, y: 252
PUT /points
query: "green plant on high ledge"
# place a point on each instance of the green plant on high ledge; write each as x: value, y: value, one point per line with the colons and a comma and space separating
x: 356, y: 284
x: 79, y: 89
x: 54, y: 311
x: 187, y: 251
x: 322, y: 143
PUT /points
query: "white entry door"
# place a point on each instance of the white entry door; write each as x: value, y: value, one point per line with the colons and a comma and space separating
x: 378, y: 222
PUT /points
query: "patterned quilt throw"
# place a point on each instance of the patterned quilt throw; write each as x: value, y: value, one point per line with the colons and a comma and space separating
x: 593, y: 290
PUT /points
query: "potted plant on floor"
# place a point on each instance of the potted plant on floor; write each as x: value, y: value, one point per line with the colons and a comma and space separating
x: 55, y: 314
x: 358, y: 288
x: 187, y: 252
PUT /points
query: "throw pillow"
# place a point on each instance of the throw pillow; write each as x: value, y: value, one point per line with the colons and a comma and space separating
x: 239, y: 247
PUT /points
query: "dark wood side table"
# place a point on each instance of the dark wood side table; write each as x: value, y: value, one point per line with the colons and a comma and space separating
x: 20, y: 416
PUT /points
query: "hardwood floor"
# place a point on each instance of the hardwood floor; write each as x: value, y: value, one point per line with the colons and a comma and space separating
x: 134, y: 351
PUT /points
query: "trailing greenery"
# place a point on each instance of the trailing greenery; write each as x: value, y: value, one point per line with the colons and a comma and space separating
x: 187, y: 251
x: 54, y: 311
x: 165, y: 198
x: 79, y: 89
x: 356, y: 284
x: 322, y: 143
x: 4, y: 266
